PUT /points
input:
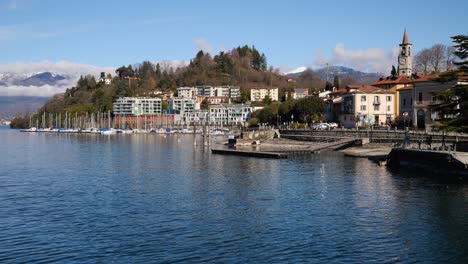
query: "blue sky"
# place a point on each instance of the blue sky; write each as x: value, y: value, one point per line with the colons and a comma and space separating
x: 361, y: 34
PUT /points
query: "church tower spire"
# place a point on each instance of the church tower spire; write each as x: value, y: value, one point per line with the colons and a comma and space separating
x: 405, y: 60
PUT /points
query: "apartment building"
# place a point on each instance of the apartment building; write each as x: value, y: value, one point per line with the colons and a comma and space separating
x: 136, y: 106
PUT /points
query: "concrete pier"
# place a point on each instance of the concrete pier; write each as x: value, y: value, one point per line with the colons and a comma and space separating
x: 250, y: 153
x: 451, y: 165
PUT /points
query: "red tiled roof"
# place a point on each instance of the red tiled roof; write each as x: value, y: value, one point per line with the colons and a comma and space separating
x: 339, y: 91
x: 366, y: 89
x: 430, y: 77
x: 389, y: 80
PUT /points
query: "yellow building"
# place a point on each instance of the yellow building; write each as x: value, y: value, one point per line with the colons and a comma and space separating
x: 395, y: 84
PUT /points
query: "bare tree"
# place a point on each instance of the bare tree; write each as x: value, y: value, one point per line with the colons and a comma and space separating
x: 423, y: 61
x: 438, y: 52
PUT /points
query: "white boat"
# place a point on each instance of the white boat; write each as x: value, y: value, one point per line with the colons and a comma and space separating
x: 108, y: 131
x: 32, y: 129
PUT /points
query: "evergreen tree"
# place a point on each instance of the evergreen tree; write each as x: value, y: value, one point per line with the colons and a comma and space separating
x: 393, y: 73
x: 455, y: 100
x: 336, y: 82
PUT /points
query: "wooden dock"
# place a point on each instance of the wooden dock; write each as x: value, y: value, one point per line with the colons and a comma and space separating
x: 251, y: 153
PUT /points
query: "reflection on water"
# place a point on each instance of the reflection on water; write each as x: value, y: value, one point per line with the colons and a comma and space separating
x: 147, y: 198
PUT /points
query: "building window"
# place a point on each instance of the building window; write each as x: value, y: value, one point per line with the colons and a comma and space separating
x: 363, y: 108
x: 411, y: 101
x: 389, y: 98
x: 376, y: 107
x: 376, y: 100
x: 420, y: 97
x: 388, y: 108
x: 404, y: 101
x: 363, y: 98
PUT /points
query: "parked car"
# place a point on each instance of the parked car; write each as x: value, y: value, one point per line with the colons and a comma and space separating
x: 320, y: 126
x: 333, y: 125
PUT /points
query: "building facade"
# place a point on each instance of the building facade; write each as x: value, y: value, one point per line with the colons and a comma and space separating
x: 232, y: 92
x: 137, y: 106
x: 183, y: 105
x: 365, y: 105
x: 424, y: 96
x: 220, y: 115
x: 301, y: 93
x: 230, y: 114
x: 258, y: 94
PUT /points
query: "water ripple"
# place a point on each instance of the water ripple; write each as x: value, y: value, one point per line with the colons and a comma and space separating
x: 146, y: 198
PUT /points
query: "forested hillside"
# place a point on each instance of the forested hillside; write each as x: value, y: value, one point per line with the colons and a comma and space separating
x: 243, y: 66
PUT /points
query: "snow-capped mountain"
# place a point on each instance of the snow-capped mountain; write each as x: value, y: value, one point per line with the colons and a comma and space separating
x: 296, y: 70
x: 340, y: 71
x: 38, y: 79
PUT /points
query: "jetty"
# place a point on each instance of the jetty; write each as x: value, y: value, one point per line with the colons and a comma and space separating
x: 283, y: 148
x: 448, y: 164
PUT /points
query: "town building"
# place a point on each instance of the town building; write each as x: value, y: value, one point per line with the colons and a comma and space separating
x: 217, y: 100
x: 187, y: 92
x: 258, y: 94
x: 209, y: 91
x: 220, y: 115
x: 230, y: 114
x: 333, y: 104
x: 365, y: 105
x: 301, y: 93
x: 137, y: 106
x: 183, y: 105
x: 424, y: 96
x: 395, y: 84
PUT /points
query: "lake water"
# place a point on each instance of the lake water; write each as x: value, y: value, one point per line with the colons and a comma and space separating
x: 151, y: 199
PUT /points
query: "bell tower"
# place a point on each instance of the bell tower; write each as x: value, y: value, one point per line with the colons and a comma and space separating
x: 405, y: 60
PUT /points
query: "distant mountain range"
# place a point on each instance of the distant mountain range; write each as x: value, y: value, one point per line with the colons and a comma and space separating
x: 340, y: 71
x: 39, y: 79
x: 10, y: 105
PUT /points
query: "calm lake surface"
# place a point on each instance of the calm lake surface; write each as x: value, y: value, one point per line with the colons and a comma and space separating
x: 151, y: 199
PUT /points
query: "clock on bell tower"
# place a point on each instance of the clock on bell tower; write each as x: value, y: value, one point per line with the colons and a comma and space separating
x: 405, y: 60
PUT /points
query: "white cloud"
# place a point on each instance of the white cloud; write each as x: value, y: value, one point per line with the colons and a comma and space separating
x: 202, y: 44
x: 60, y: 67
x: 369, y: 60
x: 40, y: 91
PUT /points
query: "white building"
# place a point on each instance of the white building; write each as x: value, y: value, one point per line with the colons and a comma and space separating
x: 209, y: 91
x: 230, y: 114
x: 183, y: 105
x: 198, y: 117
x: 136, y: 106
x: 187, y: 92
x: 220, y: 115
x: 365, y: 105
x: 258, y: 94
x: 301, y: 93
